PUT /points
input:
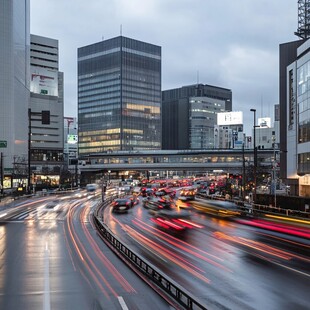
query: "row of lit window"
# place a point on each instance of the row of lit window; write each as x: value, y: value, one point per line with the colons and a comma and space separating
x: 152, y: 160
x: 99, y: 132
x: 139, y: 107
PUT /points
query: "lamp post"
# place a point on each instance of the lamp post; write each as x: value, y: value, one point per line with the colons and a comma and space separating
x: 274, y: 171
x: 109, y: 171
x: 254, y: 153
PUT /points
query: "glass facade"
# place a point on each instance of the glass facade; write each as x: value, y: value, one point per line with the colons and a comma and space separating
x: 14, y: 81
x: 303, y: 112
x: 203, y: 118
x: 119, y: 96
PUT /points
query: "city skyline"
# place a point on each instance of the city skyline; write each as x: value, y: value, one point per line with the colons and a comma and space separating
x: 228, y: 44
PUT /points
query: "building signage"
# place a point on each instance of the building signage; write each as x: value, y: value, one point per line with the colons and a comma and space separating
x: 230, y: 118
x: 264, y: 122
x: 72, y: 139
x: 44, y: 81
x: 3, y: 143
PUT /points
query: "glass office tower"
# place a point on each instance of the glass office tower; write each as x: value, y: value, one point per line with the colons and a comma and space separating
x: 119, y: 96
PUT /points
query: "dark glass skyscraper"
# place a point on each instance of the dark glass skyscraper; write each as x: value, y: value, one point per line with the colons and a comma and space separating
x: 119, y: 96
x: 189, y: 115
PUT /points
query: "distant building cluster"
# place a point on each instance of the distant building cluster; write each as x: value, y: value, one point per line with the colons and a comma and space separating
x: 121, y: 107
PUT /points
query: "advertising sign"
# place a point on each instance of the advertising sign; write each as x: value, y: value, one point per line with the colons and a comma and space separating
x: 44, y: 81
x: 72, y: 139
x: 230, y: 118
x: 264, y: 122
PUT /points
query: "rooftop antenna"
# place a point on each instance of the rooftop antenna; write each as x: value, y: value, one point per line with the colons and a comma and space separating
x: 197, y: 77
x: 102, y: 38
x: 121, y: 30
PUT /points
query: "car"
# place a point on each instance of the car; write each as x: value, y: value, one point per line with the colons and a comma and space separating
x: 167, y: 191
x: 175, y: 221
x: 52, y: 206
x: 136, y: 191
x: 134, y: 200
x: 187, y: 193
x: 157, y: 202
x: 146, y: 191
x: 121, y: 205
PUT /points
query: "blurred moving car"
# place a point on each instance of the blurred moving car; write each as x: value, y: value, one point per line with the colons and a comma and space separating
x: 187, y: 193
x: 167, y: 191
x: 136, y: 191
x: 157, y: 202
x: 52, y: 206
x: 121, y: 205
x: 146, y: 191
x: 175, y: 221
x: 134, y: 200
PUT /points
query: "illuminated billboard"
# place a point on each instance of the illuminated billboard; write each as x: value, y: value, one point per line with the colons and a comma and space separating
x: 44, y: 81
x: 264, y: 122
x: 230, y: 118
x: 72, y: 139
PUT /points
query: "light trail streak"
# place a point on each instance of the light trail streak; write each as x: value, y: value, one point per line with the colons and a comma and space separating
x: 295, y: 231
x: 178, y: 260
x: 75, y: 241
x: 260, y: 247
x: 177, y: 243
x: 290, y: 219
x: 118, y: 277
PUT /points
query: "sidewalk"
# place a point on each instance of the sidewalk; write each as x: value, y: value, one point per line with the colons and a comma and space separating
x: 5, y: 201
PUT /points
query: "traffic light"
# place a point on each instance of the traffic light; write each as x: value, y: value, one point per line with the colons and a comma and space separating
x: 45, y: 117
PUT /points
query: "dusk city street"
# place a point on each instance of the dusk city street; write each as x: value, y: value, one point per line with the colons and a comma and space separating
x: 155, y: 155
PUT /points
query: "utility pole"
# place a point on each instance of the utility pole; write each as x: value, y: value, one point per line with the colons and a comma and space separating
x: 243, y: 172
x: 29, y: 150
x: 255, y: 153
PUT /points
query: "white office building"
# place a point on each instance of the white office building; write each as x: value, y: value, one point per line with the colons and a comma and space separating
x: 46, y: 86
x: 298, y: 119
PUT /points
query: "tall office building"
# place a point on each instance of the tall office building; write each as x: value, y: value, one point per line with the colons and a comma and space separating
x: 298, y: 120
x: 46, y: 87
x: 294, y: 59
x: 14, y: 89
x: 189, y: 115
x: 119, y: 96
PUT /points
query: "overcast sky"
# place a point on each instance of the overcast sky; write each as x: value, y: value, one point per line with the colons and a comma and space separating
x: 229, y: 43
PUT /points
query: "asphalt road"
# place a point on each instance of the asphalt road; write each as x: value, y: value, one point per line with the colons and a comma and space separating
x: 224, y: 263
x: 54, y: 259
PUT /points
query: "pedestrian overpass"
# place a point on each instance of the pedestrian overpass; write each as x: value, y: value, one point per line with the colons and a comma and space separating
x: 228, y: 160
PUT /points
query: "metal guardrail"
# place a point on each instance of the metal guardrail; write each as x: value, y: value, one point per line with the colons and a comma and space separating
x: 180, y: 295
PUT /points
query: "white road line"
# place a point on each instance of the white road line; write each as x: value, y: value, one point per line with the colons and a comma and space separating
x: 293, y: 269
x: 47, y: 297
x: 122, y: 303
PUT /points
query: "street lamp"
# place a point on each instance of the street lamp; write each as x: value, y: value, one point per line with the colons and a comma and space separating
x: 254, y: 153
x: 109, y: 171
x: 274, y: 171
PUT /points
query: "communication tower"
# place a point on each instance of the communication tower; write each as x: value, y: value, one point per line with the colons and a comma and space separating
x: 303, y: 30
